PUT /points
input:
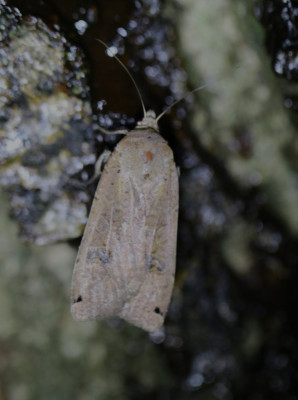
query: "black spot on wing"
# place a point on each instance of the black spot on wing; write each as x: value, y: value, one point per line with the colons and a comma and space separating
x: 78, y: 300
x: 158, y: 311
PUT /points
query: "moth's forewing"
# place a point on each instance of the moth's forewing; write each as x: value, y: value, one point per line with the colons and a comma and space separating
x: 95, y: 291
x: 147, y: 309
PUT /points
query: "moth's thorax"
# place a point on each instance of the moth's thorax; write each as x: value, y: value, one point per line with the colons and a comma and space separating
x: 149, y: 121
x: 143, y: 155
x: 145, y: 134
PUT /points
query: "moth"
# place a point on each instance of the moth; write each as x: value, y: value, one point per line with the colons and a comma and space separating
x: 126, y: 262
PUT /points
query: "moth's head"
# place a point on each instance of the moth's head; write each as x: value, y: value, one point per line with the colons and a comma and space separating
x: 149, y: 121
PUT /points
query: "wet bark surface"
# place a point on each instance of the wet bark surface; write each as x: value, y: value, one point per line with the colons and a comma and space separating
x: 231, y: 330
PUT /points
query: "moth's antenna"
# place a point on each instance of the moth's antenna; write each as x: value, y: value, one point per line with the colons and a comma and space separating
x: 189, y: 93
x: 129, y: 74
x: 182, y: 98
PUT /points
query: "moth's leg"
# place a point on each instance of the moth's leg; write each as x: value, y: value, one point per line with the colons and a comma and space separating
x: 118, y: 132
x: 103, y: 158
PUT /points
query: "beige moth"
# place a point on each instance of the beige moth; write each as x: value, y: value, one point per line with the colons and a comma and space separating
x: 126, y: 261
